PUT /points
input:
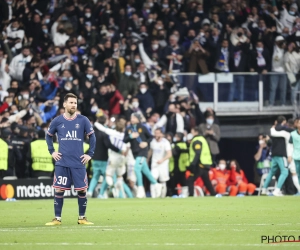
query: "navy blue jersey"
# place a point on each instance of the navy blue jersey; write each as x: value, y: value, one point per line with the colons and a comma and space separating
x: 71, y: 134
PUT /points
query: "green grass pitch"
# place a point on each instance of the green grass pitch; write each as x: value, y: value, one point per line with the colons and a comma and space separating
x: 193, y: 223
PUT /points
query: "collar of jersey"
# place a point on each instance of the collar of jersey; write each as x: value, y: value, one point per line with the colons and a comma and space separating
x: 70, y: 119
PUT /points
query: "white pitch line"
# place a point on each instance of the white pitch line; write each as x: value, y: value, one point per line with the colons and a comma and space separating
x: 144, y: 244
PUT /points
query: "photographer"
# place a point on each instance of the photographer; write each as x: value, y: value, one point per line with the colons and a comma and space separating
x: 263, y: 154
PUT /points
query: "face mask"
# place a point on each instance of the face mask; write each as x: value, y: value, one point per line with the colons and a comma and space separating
x: 184, y: 139
x: 200, y: 11
x: 292, y: 13
x: 174, y: 139
x: 9, y: 2
x: 262, y: 5
x: 178, y: 1
x: 276, y: 13
x: 147, y: 11
x: 14, y: 29
x: 261, y: 141
x: 135, y: 104
x: 26, y: 96
x: 202, y: 34
x: 67, y: 88
x: 94, y: 109
x: 209, y: 121
x: 165, y: 6
x: 154, y: 46
x: 89, y: 76
x: 47, y: 20
x: 159, y: 27
x: 71, y: 78
x: 64, y: 18
x: 127, y: 73
x: 137, y: 60
x: 285, y: 35
x: 143, y: 90
x: 222, y: 166
x: 150, y: 20
x: 259, y: 49
x: 45, y: 31
x: 88, y: 15
x: 160, y: 82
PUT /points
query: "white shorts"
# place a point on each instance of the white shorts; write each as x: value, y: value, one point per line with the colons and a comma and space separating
x: 130, y: 161
x: 292, y: 167
x: 160, y: 172
x: 116, y: 165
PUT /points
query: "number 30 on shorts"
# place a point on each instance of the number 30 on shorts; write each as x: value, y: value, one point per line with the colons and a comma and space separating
x: 62, y: 180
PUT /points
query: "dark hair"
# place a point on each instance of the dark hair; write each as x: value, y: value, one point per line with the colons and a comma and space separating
x: 101, y: 119
x: 238, y: 168
x: 180, y: 136
x: 196, y: 129
x: 69, y: 95
x: 280, y: 119
x: 159, y: 129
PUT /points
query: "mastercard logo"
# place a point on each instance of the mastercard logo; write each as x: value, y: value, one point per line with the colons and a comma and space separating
x: 6, y: 191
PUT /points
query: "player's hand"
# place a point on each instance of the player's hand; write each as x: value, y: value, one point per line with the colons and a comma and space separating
x: 290, y: 159
x: 143, y: 144
x: 214, y: 182
x: 85, y: 158
x: 135, y: 135
x: 160, y: 161
x: 56, y: 156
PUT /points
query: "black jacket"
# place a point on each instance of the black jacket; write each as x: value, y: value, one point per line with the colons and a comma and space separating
x: 145, y: 136
x: 278, y: 145
x: 103, y: 143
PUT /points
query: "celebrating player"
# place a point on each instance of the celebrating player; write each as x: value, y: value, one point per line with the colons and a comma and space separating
x: 70, y: 159
x: 160, y: 150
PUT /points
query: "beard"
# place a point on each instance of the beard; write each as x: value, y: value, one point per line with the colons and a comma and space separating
x: 71, y: 111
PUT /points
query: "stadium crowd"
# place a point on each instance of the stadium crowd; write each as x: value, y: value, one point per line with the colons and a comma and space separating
x: 125, y: 57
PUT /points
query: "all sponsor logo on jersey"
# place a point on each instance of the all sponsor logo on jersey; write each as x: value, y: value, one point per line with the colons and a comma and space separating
x: 77, y: 125
x: 71, y: 136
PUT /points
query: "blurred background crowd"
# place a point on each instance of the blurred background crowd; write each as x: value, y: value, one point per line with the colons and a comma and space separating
x: 124, y: 56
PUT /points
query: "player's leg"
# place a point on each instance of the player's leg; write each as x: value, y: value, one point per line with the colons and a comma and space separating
x: 80, y: 182
x: 61, y: 182
x: 155, y: 174
x: 183, y: 182
x: 140, y: 193
x: 163, y: 178
x: 110, y: 172
x: 96, y: 165
x: 104, y: 186
x: 274, y: 167
x: 120, y: 171
x: 295, y: 171
x: 283, y: 173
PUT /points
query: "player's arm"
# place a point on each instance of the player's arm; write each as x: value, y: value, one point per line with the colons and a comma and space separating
x: 108, y: 131
x: 49, y: 139
x: 290, y: 149
x: 109, y: 145
x: 281, y: 133
x: 126, y: 137
x: 88, y: 129
x: 147, y: 134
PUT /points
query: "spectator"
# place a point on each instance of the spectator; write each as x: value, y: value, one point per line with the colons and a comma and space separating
x: 18, y: 63
x: 260, y: 60
x: 211, y: 133
x: 127, y: 84
x: 263, y: 155
x: 279, y: 76
x: 146, y: 102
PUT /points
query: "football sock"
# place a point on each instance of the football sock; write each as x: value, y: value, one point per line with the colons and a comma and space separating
x: 82, y: 202
x: 296, y: 182
x: 58, y: 203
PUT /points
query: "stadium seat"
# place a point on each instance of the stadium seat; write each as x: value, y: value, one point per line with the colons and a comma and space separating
x: 262, y: 181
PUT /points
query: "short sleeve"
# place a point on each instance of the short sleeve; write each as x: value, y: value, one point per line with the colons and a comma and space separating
x: 168, y: 146
x: 52, y: 127
x: 151, y: 145
x: 88, y: 127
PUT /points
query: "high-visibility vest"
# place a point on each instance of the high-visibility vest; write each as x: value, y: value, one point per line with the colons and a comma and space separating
x: 183, y: 161
x: 3, y: 155
x: 205, y: 157
x: 41, y: 159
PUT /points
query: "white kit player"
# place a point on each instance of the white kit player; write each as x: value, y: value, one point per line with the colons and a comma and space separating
x: 160, y: 153
x: 117, y: 161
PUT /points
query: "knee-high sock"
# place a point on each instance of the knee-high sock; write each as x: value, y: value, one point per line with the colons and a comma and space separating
x: 163, y: 189
x: 138, y: 171
x: 296, y: 182
x: 58, y: 203
x: 82, y: 203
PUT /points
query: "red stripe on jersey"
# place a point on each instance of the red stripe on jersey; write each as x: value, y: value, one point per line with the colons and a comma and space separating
x: 90, y: 133
x: 70, y: 119
x: 49, y: 133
